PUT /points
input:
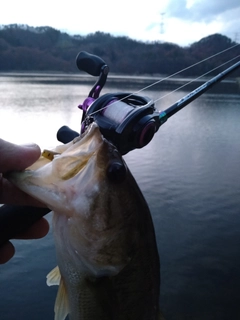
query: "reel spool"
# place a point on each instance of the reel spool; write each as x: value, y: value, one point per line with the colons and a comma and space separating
x: 129, y: 122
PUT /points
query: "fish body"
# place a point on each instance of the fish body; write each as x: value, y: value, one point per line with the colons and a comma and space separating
x: 108, y: 263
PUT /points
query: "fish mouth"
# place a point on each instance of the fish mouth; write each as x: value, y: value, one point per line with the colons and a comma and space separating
x: 55, y: 182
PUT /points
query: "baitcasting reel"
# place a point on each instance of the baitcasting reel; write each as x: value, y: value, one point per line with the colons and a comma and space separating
x: 127, y: 120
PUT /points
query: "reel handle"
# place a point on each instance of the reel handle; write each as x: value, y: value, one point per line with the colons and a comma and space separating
x: 90, y: 63
x: 65, y: 134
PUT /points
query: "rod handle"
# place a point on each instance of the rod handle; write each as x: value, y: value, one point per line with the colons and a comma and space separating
x: 17, y: 219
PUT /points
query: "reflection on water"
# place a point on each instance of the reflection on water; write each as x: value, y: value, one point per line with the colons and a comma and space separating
x: 189, y: 175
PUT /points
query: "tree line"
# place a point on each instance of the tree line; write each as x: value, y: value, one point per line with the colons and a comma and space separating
x: 24, y: 48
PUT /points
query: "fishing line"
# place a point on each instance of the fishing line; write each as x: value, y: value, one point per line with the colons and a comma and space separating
x: 174, y: 74
x: 187, y: 68
x: 184, y: 85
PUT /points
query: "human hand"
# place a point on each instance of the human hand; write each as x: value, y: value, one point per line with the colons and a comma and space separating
x: 16, y: 157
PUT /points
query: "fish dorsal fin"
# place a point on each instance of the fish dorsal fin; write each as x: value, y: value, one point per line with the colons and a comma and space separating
x: 54, y: 277
x: 61, y: 308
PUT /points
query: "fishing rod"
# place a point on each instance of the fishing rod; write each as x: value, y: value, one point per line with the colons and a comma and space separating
x: 127, y: 120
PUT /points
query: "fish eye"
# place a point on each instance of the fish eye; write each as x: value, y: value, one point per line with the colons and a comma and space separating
x: 116, y: 171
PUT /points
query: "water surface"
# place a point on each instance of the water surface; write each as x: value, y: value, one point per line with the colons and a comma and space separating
x: 189, y: 175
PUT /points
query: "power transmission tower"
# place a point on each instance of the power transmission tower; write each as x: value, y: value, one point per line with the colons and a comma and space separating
x: 237, y: 37
x: 162, y: 23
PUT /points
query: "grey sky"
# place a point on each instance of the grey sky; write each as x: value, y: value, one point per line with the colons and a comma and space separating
x: 183, y: 21
x: 202, y: 10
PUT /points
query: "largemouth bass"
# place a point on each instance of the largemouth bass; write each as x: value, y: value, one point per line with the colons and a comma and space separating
x: 108, y: 263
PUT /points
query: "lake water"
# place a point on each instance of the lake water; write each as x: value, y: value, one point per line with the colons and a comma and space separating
x: 189, y: 174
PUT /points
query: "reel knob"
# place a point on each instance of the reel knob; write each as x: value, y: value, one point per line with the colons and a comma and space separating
x: 91, y: 64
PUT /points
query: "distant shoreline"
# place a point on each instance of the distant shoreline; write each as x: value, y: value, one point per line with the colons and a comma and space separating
x: 228, y: 86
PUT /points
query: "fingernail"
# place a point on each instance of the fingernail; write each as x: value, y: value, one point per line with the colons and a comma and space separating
x: 30, y: 145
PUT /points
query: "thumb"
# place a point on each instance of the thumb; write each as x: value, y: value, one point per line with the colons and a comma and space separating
x: 17, y: 157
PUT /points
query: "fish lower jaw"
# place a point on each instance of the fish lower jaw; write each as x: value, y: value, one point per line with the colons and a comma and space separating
x: 99, y: 271
x: 81, y: 254
x: 91, y: 271
x: 84, y: 260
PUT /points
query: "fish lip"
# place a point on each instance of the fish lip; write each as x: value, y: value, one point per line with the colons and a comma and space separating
x: 71, y: 164
x: 12, y: 175
x: 88, y: 133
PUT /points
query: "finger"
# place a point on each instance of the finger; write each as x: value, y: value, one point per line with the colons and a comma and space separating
x: 16, y: 157
x: 38, y: 230
x: 6, y: 252
x: 9, y: 194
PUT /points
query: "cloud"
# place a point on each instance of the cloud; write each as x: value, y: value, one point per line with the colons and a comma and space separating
x: 201, y: 10
x: 231, y: 24
x: 199, y: 18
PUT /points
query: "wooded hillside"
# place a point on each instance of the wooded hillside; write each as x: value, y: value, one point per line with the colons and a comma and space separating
x: 24, y: 48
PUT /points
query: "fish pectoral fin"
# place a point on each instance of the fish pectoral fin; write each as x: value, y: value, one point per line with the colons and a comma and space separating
x: 54, y: 277
x: 61, y: 308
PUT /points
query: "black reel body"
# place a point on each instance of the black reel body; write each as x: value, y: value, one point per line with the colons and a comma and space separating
x: 128, y: 121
